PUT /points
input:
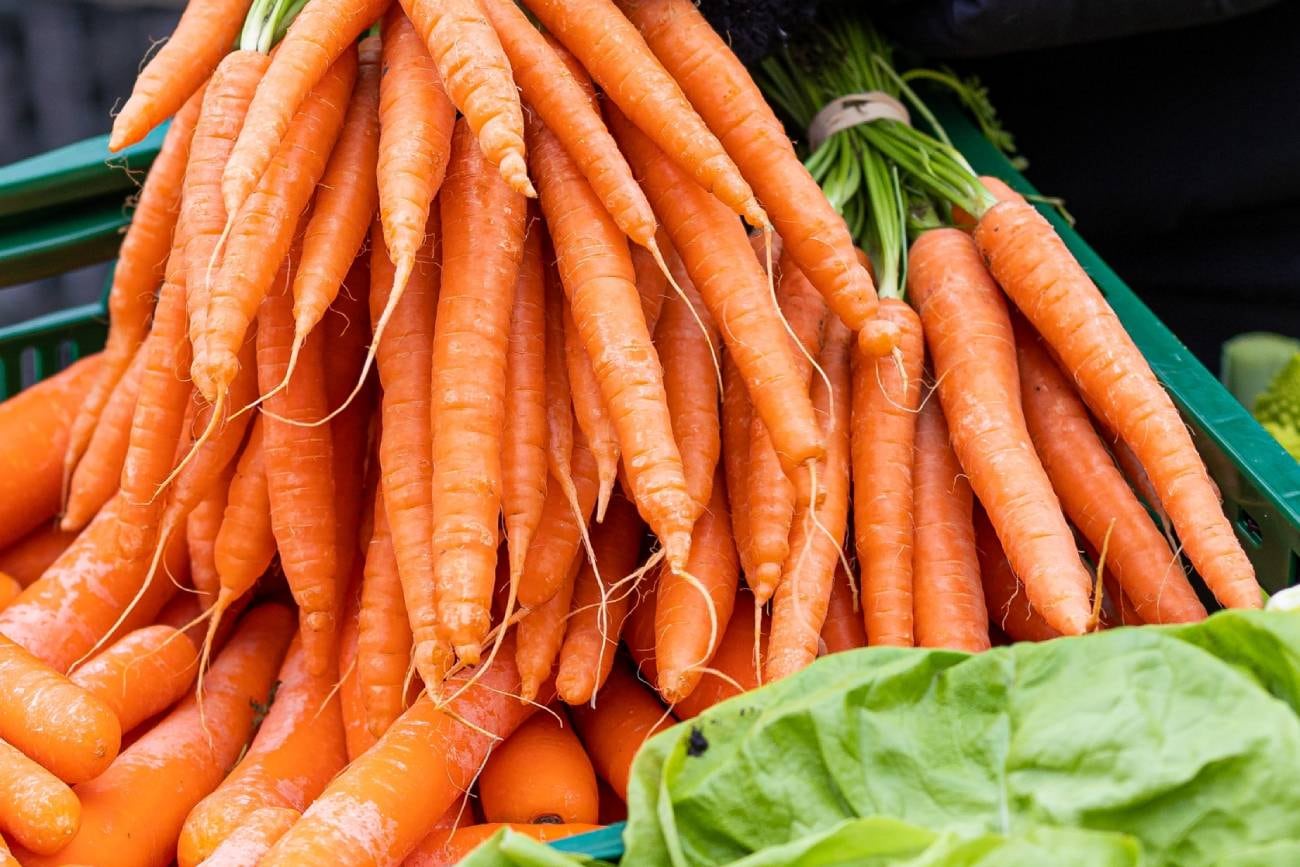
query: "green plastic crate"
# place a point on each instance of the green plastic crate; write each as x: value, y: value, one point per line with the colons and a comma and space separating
x: 64, y: 210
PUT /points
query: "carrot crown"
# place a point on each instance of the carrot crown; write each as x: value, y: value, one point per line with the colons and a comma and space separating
x: 267, y: 22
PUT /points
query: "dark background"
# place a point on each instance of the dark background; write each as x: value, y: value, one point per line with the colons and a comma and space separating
x: 1176, y: 147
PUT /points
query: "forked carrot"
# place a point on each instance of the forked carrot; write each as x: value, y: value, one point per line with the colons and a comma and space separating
x: 539, y: 775
x: 843, y: 628
x: 140, y: 675
x: 383, y: 633
x: 99, y: 471
x: 37, y: 809
x: 625, y: 715
x: 590, y: 412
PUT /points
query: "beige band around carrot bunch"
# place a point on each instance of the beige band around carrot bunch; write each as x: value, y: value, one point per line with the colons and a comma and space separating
x: 851, y: 110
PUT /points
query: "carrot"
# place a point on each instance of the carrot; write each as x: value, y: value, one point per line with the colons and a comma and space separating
x: 201, y: 531
x: 357, y: 736
x: 429, y: 851
x: 37, y: 809
x: 136, y: 277
x: 555, y: 544
x: 624, y: 716
x: 457, y: 844
x: 596, y: 270
x: 483, y: 224
x: 601, y: 600
x: 590, y: 412
x: 969, y: 334
x: 737, y: 417
x: 10, y: 589
x: 947, y: 600
x: 690, y: 616
x: 1008, y: 604
x: 299, y: 465
x: 523, y: 449
x: 421, y: 765
x: 639, y: 633
x: 843, y: 628
x: 247, y: 843
x: 734, y: 668
x: 688, y: 353
x: 721, y: 264
x: 64, y: 728
x: 1093, y: 491
x: 541, y: 633
x: 652, y: 284
x: 551, y: 86
x: 817, y: 533
x: 383, y: 634
x: 74, y: 605
x: 1031, y: 263
x: 559, y: 403
x: 261, y: 233
x: 244, y: 544
x: 612, y: 50
x: 539, y: 775
x: 34, y: 426
x: 168, y: 770
x: 478, y: 80
x: 142, y: 674
x: 28, y: 558
x: 298, y: 749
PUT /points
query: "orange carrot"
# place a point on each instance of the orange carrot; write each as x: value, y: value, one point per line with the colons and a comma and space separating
x: 383, y: 634
x: 253, y: 838
x: 737, y: 417
x: 37, y: 809
x: 596, y: 270
x: 1043, y: 279
x: 10, y: 589
x: 478, y: 81
x: 1093, y: 491
x: 601, y: 600
x: 455, y: 844
x: 298, y: 749
x: 168, y: 770
x: 590, y: 412
x: 244, y: 544
x: 733, y: 663
x: 142, y: 674
x: 29, y: 557
x: 843, y: 628
x: 539, y: 775
x: 968, y: 331
x: 1008, y: 604
x: 559, y: 404
x: 612, y: 50
x: 357, y: 737
x: 483, y: 224
x: 652, y: 284
x: 541, y: 634
x: 947, y: 600
x: 639, y: 632
x: 555, y: 544
x: 201, y: 529
x: 625, y: 715
x: 421, y: 765
x: 718, y: 257
x: 61, y: 726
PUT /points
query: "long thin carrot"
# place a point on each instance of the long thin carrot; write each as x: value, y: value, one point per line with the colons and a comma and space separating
x: 600, y: 605
x: 253, y: 838
x: 947, y: 599
x: 28, y: 558
x: 1032, y: 264
x: 99, y: 471
x: 168, y: 770
x: 625, y: 715
x: 559, y: 403
x: 383, y: 633
x: 478, y: 80
x: 652, y: 284
x: 843, y: 628
x: 539, y: 775
x: 555, y: 544
x: 1093, y: 491
x: 1008, y: 604
x: 612, y: 50
x: 61, y: 726
x: 817, y: 533
x: 415, y: 772
x: 969, y: 335
x: 357, y: 736
x: 261, y: 233
x: 737, y: 416
x: 142, y: 674
x: 201, y: 529
x: 596, y: 270
x: 483, y: 234
x: 541, y: 634
x: 718, y: 257
x: 244, y: 544
x: 734, y: 668
x: 591, y: 413
x: 37, y: 809
x: 298, y: 749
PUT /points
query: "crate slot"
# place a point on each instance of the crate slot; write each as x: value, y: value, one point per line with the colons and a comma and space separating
x: 1249, y: 528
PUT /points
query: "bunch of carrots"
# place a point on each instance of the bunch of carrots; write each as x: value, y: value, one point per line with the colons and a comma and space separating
x: 449, y: 408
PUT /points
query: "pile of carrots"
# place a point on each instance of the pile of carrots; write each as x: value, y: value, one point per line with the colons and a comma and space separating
x: 448, y: 409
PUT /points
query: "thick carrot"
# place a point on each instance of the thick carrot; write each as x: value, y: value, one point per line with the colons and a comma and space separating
x: 1093, y: 491
x: 734, y: 668
x: 202, y: 37
x: 690, y: 616
x: 357, y: 737
x: 98, y: 473
x: 737, y: 417
x: 843, y: 628
x: 625, y: 715
x: 37, y: 809
x: 140, y: 675
x: 298, y: 749
x: 1005, y: 597
x: 612, y: 50
x: 34, y: 425
x: 947, y: 600
x: 483, y: 233
x: 539, y: 775
x: 253, y: 838
x: 601, y: 600
x: 245, y: 544
x: 1043, y: 279
x: 590, y: 412
x: 201, y: 529
x: 299, y: 473
x: 75, y: 604
x: 61, y: 726
x: 168, y: 770
x: 718, y: 257
x: 453, y: 845
x: 817, y: 533
x: 968, y: 331
x: 262, y: 232
x: 596, y: 270
x: 383, y: 633
x: 421, y: 765
x: 28, y: 558
x: 478, y: 81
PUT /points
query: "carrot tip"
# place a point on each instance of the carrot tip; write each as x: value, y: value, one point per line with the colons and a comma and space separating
x: 470, y: 653
x: 879, y: 338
